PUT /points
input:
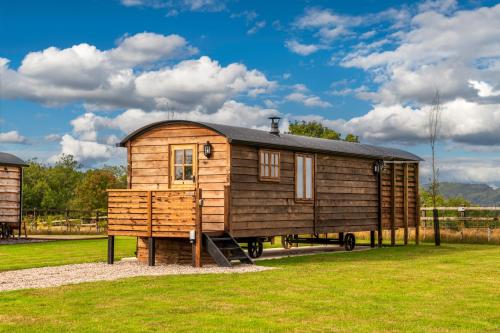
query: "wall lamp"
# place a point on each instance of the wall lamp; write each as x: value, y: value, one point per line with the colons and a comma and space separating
x: 207, y: 149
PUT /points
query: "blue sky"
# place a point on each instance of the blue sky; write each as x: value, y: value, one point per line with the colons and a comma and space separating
x: 76, y: 76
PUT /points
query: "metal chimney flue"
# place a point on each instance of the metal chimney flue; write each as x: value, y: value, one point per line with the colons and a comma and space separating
x: 275, y: 129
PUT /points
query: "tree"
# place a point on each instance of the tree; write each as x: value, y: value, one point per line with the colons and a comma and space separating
x: 90, y: 192
x: 317, y: 130
x: 434, y: 126
x: 351, y: 138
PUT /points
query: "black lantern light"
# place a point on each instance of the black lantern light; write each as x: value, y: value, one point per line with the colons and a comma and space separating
x: 207, y: 149
x: 378, y: 166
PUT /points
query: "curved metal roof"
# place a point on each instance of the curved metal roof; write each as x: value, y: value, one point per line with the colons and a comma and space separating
x: 260, y: 138
x: 9, y: 159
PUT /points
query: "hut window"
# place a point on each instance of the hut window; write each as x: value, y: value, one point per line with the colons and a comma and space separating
x: 303, y: 177
x: 269, y: 162
x: 182, y: 164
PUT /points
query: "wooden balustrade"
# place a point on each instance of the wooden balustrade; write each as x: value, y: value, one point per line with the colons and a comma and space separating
x: 154, y: 213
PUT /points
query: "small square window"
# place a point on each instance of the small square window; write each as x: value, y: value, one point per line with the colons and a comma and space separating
x: 269, y: 162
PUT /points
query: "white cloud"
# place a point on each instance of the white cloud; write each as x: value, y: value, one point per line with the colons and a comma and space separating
x: 12, y: 137
x: 83, y: 151
x: 466, y: 170
x: 114, y: 79
x: 175, y: 7
x: 257, y: 26
x: 462, y: 122
x: 440, y: 51
x: 483, y: 89
x: 52, y: 137
x: 302, y: 49
x: 200, y: 85
x: 307, y: 100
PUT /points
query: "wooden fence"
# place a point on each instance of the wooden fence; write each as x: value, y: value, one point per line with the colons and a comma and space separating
x: 37, y: 220
x: 159, y: 213
x: 463, y: 223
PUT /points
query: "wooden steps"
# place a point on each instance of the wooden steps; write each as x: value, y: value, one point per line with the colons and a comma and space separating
x: 224, y: 249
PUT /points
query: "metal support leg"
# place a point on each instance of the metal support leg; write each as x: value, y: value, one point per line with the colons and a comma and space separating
x: 372, y: 238
x: 151, y: 257
x: 111, y: 250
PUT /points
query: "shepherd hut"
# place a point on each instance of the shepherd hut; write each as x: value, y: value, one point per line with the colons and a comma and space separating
x: 11, y: 194
x: 200, y: 190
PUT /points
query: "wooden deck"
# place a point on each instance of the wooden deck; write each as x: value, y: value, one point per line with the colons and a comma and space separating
x: 160, y: 213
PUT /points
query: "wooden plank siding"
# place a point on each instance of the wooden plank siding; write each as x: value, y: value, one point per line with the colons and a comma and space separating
x: 147, y: 213
x: 261, y: 208
x: 149, y: 167
x: 399, y: 195
x: 10, y: 195
x: 347, y: 194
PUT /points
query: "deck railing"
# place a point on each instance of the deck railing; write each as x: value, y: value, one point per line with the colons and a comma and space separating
x: 154, y: 213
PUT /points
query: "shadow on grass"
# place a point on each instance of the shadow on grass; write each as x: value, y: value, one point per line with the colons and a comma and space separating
x: 397, y: 253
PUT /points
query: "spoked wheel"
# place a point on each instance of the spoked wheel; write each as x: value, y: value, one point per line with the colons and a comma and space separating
x: 349, y: 242
x: 255, y: 248
x: 287, y: 241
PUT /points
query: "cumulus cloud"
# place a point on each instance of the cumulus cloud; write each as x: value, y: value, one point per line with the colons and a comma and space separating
x: 483, y: 89
x: 440, y: 51
x: 12, y: 137
x: 466, y: 170
x: 111, y: 79
x: 301, y: 49
x: 82, y: 150
x: 462, y: 122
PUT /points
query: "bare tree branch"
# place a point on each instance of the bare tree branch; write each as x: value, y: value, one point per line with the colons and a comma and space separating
x: 434, y: 123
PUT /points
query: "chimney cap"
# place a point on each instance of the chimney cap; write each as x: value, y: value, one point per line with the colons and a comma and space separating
x: 275, y: 125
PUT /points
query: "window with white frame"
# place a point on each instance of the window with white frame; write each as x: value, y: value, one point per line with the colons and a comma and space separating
x: 304, y: 174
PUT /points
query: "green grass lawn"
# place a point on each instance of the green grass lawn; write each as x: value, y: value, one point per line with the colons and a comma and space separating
x: 56, y: 253
x: 454, y: 288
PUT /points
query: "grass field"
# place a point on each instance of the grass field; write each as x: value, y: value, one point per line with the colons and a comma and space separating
x: 454, y: 288
x: 31, y: 255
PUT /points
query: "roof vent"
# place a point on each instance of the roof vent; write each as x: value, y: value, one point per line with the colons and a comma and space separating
x: 275, y: 125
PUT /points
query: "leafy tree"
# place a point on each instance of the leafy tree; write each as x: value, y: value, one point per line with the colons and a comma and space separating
x: 318, y: 130
x: 90, y: 192
x: 427, y: 199
x: 352, y: 138
x: 64, y: 185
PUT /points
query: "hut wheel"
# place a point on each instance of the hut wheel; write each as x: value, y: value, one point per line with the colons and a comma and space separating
x: 349, y: 242
x: 287, y: 241
x: 255, y: 248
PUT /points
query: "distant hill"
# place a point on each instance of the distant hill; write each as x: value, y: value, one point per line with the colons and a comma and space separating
x: 480, y: 194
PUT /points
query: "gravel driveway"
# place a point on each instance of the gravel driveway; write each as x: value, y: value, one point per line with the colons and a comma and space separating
x: 70, y: 274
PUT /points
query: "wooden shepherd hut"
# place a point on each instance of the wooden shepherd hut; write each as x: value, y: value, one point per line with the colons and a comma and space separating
x: 11, y: 194
x: 199, y: 190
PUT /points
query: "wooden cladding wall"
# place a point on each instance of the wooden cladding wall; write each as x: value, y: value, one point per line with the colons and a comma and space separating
x: 346, y: 194
x: 10, y: 194
x: 261, y: 208
x: 149, y: 165
x: 160, y: 213
x: 394, y: 183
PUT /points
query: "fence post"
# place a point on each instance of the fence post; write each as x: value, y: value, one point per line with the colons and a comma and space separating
x: 66, y: 217
x: 437, y: 232
x: 97, y: 220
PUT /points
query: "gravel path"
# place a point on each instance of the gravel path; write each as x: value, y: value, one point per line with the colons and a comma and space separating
x: 71, y: 274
